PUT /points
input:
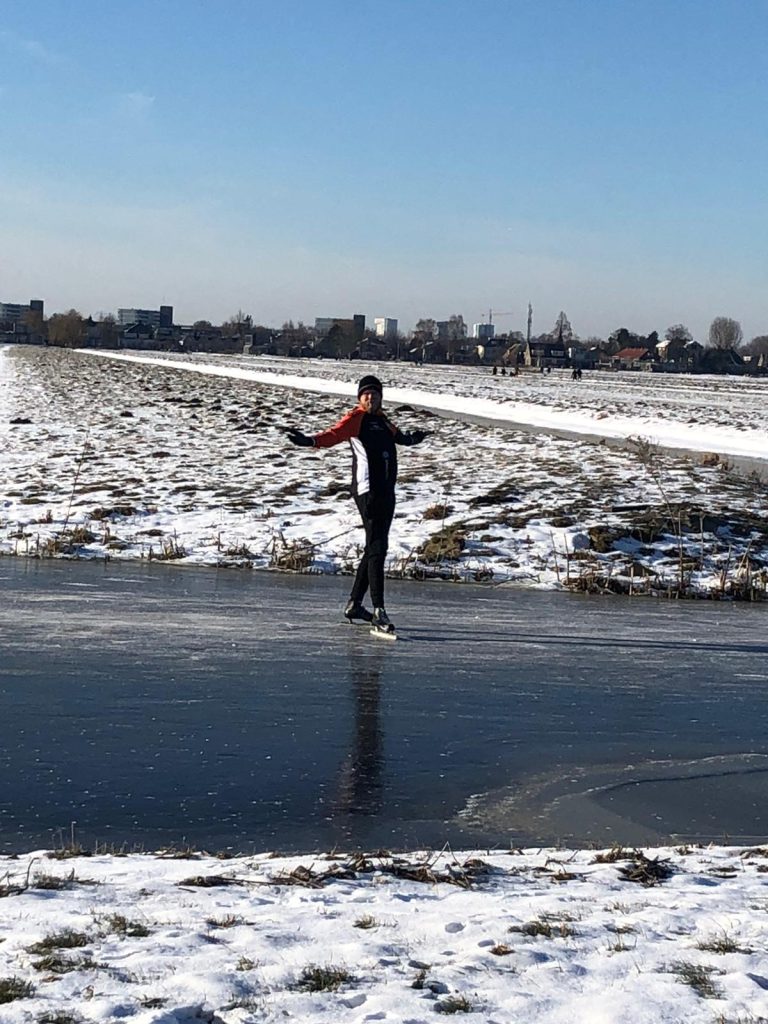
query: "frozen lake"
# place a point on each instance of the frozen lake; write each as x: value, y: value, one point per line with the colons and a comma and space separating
x: 156, y: 705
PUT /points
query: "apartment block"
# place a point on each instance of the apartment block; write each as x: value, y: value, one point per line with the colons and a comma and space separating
x: 162, y: 317
x: 385, y: 327
x: 12, y: 312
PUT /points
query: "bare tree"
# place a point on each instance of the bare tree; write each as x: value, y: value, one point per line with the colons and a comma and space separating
x: 109, y: 332
x: 562, y: 331
x: 678, y: 332
x: 725, y: 333
x: 457, y: 333
x: 622, y: 338
x: 758, y: 346
x: 67, y: 329
x: 425, y: 329
x: 457, y: 329
x: 294, y: 337
x: 239, y: 323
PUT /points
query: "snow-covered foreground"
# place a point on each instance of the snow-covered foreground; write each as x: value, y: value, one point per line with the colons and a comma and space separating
x: 545, y: 937
x: 108, y: 455
x: 126, y: 459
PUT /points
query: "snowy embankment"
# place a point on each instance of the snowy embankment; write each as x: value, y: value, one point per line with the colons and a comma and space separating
x: 135, y: 456
x: 697, y: 415
x: 546, y: 937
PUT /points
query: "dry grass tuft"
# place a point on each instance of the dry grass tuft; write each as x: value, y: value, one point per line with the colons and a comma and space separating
x: 445, y: 545
x: 57, y: 963
x: 58, y: 1017
x: 65, y: 939
x: 227, y: 921
x: 323, y: 979
x: 698, y: 977
x: 616, y: 852
x: 208, y: 881
x: 722, y: 944
x: 437, y: 511
x: 42, y: 880
x: 15, y: 988
x: 647, y: 871
x: 454, y: 1004
x: 294, y: 557
x: 118, y: 924
x: 366, y: 921
x: 501, y: 949
x: 545, y: 928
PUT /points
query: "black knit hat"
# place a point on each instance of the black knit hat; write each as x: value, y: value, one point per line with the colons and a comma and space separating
x: 369, y: 383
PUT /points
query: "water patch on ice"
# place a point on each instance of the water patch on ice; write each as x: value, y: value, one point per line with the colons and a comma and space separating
x: 701, y: 799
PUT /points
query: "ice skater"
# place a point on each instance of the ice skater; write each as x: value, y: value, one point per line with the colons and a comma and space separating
x: 373, y: 440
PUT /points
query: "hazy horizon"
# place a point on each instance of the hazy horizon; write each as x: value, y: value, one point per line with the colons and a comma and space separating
x: 414, y: 159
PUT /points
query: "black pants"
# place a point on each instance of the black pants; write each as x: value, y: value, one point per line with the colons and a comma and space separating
x: 376, y: 512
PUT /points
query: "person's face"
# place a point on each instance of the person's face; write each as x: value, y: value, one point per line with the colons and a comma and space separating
x: 370, y: 401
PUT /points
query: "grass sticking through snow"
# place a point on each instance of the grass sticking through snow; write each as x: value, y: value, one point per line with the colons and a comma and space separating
x: 117, y: 924
x: 366, y: 921
x: 454, y: 1004
x: 56, y: 963
x: 699, y: 977
x: 323, y: 979
x: 227, y: 921
x: 543, y: 928
x: 723, y: 944
x: 15, y: 988
x: 42, y: 880
x: 65, y: 939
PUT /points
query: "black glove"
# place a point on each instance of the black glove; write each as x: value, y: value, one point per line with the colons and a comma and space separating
x: 417, y: 436
x: 296, y: 437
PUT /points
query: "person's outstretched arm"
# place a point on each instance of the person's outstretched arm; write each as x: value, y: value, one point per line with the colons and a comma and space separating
x: 302, y: 440
x: 347, y: 427
x: 412, y: 437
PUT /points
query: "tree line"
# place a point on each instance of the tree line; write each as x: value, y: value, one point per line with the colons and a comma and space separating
x: 71, y: 329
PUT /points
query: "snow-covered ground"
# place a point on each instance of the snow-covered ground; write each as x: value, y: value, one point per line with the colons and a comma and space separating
x: 127, y: 458
x: 135, y: 455
x: 541, y: 936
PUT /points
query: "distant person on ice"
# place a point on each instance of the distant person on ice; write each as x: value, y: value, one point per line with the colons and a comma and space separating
x: 373, y: 439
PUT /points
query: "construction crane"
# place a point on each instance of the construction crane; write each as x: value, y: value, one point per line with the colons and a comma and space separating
x: 490, y: 314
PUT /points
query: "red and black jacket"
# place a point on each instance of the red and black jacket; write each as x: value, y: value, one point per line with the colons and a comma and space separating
x: 373, y: 440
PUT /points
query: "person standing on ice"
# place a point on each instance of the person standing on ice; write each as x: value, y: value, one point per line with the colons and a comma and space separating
x: 373, y: 440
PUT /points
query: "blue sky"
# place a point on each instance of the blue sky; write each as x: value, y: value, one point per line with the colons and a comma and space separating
x: 407, y: 158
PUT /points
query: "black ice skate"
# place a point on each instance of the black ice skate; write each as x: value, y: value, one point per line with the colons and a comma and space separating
x: 355, y: 612
x: 382, y: 625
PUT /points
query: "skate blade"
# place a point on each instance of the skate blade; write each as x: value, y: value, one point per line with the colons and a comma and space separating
x: 384, y: 634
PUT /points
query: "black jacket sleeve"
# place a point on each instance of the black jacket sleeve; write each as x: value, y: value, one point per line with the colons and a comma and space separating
x: 411, y: 438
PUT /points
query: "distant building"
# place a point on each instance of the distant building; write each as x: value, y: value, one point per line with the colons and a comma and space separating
x: 162, y: 317
x: 483, y: 331
x: 545, y: 352
x: 492, y: 350
x: 385, y: 327
x: 323, y: 324
x: 353, y: 327
x: 633, y: 358
x: 12, y: 312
